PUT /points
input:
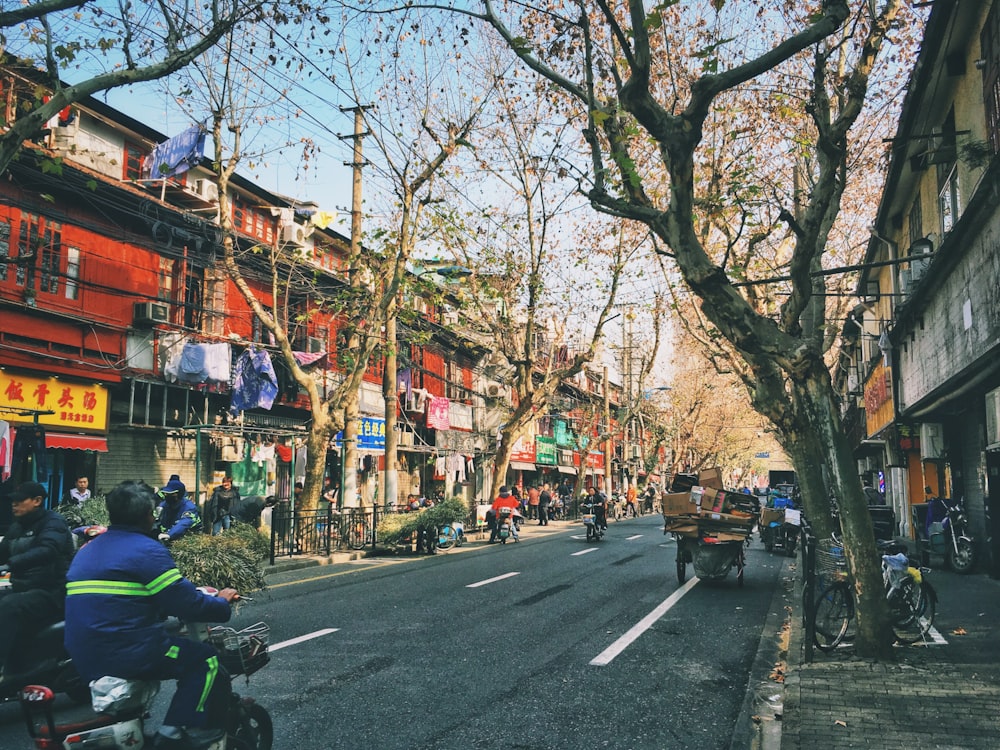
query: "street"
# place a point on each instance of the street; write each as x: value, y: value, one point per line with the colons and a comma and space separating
x: 549, y: 643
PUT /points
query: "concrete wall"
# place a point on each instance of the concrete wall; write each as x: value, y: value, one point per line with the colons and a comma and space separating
x: 961, y: 323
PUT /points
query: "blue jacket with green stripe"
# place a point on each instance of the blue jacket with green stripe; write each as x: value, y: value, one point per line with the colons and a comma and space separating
x: 120, y: 586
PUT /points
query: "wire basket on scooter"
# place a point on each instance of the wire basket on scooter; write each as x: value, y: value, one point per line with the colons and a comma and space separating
x: 241, y: 652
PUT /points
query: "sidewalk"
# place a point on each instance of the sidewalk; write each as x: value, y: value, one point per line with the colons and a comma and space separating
x: 473, y: 540
x: 941, y: 695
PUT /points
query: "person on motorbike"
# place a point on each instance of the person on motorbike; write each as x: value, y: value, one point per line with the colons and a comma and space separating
x: 597, y: 499
x: 506, y: 500
x: 176, y: 514
x: 36, y: 550
x: 119, y: 588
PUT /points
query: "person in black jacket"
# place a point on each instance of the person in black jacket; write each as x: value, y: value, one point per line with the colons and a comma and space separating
x: 36, y: 551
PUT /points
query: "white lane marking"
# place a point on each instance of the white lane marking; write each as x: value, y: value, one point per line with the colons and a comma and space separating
x: 301, y: 639
x: 492, y: 580
x: 584, y: 551
x: 608, y: 654
x: 937, y: 637
x: 634, y: 536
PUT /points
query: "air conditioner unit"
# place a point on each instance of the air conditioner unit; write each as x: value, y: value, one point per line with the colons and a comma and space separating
x: 993, y: 417
x: 204, y: 189
x: 294, y: 234
x: 931, y: 440
x: 494, y: 390
x: 149, y: 313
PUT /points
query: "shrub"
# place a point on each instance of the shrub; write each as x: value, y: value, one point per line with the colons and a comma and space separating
x: 92, y: 512
x: 230, y: 560
x: 395, y: 526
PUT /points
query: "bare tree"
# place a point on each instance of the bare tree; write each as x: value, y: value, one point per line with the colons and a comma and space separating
x: 647, y: 122
x: 132, y: 42
x: 524, y: 161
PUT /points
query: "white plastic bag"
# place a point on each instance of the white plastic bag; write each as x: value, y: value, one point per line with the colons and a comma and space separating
x: 111, y: 695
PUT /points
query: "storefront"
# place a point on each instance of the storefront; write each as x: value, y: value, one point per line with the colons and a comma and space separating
x: 51, y: 431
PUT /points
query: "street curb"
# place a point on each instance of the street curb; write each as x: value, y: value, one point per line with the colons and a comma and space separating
x: 759, y: 724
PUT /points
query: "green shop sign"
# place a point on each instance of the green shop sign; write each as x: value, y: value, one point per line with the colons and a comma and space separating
x: 545, y: 450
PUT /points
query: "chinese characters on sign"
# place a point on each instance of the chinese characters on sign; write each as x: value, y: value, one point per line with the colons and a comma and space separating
x: 78, y: 406
x: 371, y: 434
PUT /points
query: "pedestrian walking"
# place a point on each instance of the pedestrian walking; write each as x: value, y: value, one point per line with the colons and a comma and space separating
x: 533, y: 495
x: 544, y: 500
x: 219, y: 508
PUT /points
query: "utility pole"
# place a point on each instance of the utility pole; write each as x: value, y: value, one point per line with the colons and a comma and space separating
x: 607, y: 435
x: 349, y: 444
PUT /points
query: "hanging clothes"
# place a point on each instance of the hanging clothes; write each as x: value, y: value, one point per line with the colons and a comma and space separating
x: 255, y: 384
x: 29, y: 447
x: 5, y: 450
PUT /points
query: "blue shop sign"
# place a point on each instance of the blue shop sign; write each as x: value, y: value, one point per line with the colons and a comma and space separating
x: 371, y: 434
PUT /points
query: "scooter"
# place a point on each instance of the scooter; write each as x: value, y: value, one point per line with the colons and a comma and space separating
x: 595, y: 531
x: 42, y: 657
x: 121, y: 707
x: 506, y: 521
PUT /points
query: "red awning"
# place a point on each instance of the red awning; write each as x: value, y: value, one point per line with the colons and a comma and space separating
x: 76, y: 442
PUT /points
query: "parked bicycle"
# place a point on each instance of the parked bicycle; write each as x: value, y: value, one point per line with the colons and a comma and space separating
x: 912, y: 600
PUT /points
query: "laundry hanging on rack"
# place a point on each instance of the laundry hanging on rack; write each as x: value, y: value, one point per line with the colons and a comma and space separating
x: 255, y: 385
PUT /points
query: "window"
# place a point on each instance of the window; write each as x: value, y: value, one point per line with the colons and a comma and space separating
x: 166, y: 279
x: 948, y: 200
x: 916, y: 221
x: 4, y: 248
x: 193, y: 306
x: 51, y: 247
x: 989, y: 41
x: 132, y: 162
x: 949, y: 197
x: 72, y: 272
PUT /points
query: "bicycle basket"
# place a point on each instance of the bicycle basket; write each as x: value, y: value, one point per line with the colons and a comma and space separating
x: 241, y: 652
x: 831, y: 564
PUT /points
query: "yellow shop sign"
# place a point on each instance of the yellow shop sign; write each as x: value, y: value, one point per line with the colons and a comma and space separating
x: 74, y: 406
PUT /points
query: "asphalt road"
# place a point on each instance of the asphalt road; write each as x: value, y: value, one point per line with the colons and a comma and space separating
x: 550, y: 643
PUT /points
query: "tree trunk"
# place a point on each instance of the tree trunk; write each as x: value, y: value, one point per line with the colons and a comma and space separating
x: 874, y: 636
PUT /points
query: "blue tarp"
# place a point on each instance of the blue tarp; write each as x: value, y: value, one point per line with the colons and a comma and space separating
x: 177, y: 155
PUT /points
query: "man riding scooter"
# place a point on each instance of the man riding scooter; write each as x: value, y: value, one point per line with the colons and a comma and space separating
x: 36, y: 550
x: 120, y: 585
x: 600, y: 503
x: 177, y: 514
x: 505, y: 500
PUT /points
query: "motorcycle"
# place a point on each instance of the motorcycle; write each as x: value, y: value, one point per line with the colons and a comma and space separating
x: 122, y: 706
x: 595, y: 530
x: 948, y: 533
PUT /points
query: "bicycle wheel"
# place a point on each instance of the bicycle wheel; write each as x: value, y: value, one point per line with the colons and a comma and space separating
x: 912, y: 609
x: 832, y: 615
x: 358, y: 535
x: 447, y: 537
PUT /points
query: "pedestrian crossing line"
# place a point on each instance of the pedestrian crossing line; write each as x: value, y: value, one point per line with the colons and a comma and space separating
x: 608, y: 655
x: 492, y: 580
x: 584, y: 551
